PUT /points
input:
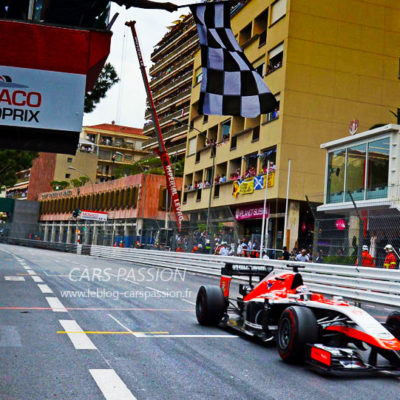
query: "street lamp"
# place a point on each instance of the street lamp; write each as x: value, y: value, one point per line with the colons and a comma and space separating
x: 213, y: 147
x: 90, y: 180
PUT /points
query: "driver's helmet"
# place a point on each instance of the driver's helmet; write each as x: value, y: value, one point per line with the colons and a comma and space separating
x: 303, y: 291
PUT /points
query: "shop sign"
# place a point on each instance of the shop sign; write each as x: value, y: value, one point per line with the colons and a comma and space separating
x: 93, y: 215
x: 250, y: 212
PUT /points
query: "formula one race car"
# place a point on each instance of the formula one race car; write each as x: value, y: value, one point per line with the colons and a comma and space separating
x: 329, y: 334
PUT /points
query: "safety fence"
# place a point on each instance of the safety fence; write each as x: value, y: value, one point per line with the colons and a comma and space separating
x: 360, y: 284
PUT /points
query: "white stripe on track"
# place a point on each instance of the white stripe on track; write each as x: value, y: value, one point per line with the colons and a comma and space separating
x: 190, y: 302
x: 45, y: 289
x: 111, y: 385
x: 31, y: 272
x: 37, y: 279
x: 79, y: 339
x: 56, y: 304
x: 195, y: 336
x: 137, y: 334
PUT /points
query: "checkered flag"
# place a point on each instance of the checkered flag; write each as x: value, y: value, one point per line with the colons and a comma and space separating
x: 230, y: 85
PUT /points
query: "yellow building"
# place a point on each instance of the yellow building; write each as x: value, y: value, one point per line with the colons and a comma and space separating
x: 115, y: 146
x: 327, y: 63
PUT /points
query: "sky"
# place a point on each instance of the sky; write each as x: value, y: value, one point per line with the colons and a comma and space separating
x: 126, y: 101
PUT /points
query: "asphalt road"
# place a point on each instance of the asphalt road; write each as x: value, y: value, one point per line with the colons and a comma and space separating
x: 66, y: 334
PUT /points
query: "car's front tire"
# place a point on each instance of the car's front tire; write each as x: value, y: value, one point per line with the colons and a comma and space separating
x: 297, y: 327
x: 210, y: 305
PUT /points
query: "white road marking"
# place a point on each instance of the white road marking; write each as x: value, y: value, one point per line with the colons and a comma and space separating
x: 56, y: 304
x: 14, y: 278
x: 195, y: 336
x: 31, y: 272
x: 37, y: 279
x: 369, y: 306
x: 156, y: 290
x: 389, y: 309
x: 80, y: 341
x: 137, y: 334
x: 45, y: 289
x: 190, y: 302
x: 27, y: 268
x: 111, y: 385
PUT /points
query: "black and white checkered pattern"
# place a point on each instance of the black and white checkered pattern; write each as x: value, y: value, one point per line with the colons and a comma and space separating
x: 230, y: 85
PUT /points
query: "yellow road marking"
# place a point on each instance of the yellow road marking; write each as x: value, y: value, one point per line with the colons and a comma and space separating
x: 112, y: 333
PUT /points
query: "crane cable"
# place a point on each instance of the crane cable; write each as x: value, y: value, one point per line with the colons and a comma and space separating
x: 122, y: 79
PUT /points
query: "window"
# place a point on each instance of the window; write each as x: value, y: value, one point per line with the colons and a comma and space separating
x: 262, y: 39
x: 275, y: 58
x: 259, y: 66
x: 233, y: 142
x: 355, y: 174
x: 245, y: 34
x: 198, y: 154
x: 336, y: 164
x: 198, y: 76
x: 68, y: 176
x: 216, y: 190
x: 367, y: 172
x: 256, y: 134
x: 378, y: 168
x: 192, y: 146
x: 278, y: 10
x: 198, y: 195
x: 225, y: 130
x: 138, y: 145
x: 274, y: 114
x: 69, y: 160
x: 205, y: 119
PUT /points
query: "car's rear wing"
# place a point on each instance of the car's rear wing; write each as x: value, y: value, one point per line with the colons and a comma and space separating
x: 229, y: 270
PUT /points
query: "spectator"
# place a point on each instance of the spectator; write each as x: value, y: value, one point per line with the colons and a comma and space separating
x: 265, y: 255
x: 303, y: 256
x: 223, y: 250
x: 285, y: 254
x: 319, y: 259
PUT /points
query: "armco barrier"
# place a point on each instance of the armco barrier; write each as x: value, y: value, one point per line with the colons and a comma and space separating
x: 65, y: 247
x: 361, y: 284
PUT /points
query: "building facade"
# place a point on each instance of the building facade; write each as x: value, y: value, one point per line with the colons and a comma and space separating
x: 326, y: 65
x: 116, y: 146
x: 49, y: 168
x: 364, y: 168
x: 135, y: 209
x: 171, y: 77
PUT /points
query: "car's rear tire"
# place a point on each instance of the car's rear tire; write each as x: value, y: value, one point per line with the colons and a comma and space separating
x: 297, y: 327
x: 393, y: 324
x: 210, y: 305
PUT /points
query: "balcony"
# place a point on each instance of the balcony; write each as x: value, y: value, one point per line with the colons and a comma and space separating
x: 176, y: 83
x: 181, y: 96
x: 169, y: 135
x: 164, y: 120
x: 172, y: 42
x: 173, y: 55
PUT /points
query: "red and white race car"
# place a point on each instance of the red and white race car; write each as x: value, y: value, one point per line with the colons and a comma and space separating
x: 329, y: 334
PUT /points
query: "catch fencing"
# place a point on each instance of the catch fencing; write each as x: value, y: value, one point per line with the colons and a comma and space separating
x: 360, y: 284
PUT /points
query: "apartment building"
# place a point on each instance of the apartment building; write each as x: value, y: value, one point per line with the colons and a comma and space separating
x: 116, y: 146
x: 327, y: 65
x: 171, y: 83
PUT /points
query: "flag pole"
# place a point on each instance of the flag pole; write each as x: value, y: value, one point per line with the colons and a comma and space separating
x: 287, y: 204
x: 264, y: 212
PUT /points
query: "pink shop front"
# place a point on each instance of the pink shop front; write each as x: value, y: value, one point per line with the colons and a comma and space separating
x: 249, y: 223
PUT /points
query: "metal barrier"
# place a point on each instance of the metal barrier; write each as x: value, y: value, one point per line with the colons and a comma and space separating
x: 65, y: 247
x: 360, y: 284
